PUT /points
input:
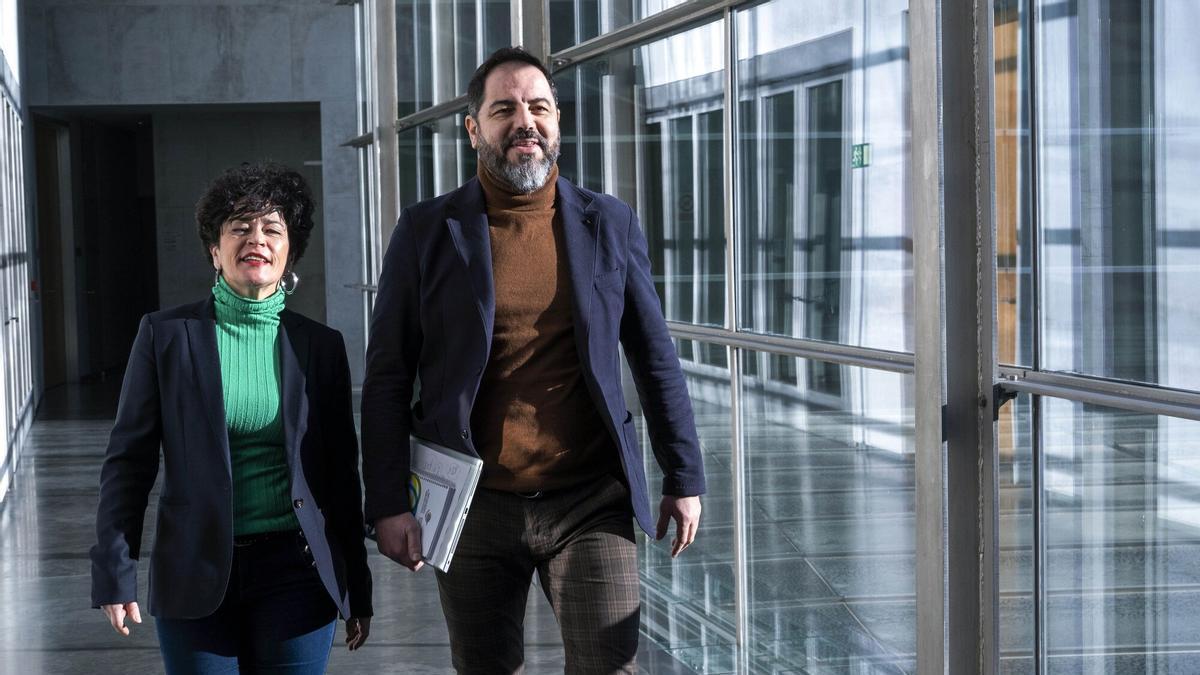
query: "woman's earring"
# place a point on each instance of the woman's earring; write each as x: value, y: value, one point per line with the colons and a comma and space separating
x: 217, y: 276
x: 289, y: 288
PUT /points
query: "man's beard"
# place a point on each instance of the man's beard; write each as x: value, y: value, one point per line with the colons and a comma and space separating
x: 528, y: 173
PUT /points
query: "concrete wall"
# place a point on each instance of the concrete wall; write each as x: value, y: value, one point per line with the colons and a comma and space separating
x: 190, y: 149
x: 163, y: 52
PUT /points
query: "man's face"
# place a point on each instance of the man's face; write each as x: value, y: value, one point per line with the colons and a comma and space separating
x: 516, y: 128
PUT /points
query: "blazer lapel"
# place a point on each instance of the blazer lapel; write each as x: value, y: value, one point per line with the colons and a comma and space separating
x: 293, y: 364
x: 580, y: 223
x: 206, y: 364
x: 467, y: 220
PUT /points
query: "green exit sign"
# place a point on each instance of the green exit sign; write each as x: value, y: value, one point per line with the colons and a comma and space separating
x: 860, y: 155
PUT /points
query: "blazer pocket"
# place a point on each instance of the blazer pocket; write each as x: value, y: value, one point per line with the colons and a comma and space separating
x: 609, y: 279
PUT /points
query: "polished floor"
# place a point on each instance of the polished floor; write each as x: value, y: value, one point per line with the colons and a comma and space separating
x: 46, y: 528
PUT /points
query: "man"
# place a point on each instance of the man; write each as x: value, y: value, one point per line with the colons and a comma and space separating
x: 507, y: 299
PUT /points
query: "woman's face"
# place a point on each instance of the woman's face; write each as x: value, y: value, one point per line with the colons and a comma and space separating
x: 252, y: 254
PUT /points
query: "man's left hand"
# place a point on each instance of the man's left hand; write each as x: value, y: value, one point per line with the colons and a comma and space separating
x: 685, y: 511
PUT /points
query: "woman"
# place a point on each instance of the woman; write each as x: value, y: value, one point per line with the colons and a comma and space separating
x: 259, y: 538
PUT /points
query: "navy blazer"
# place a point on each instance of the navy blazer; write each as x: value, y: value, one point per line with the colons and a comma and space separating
x: 171, y: 397
x: 433, y: 323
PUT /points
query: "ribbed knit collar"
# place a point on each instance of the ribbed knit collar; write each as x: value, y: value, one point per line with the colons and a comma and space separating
x: 233, y: 308
x: 499, y: 196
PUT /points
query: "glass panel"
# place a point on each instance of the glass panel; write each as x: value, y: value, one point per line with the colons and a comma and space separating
x: 575, y: 21
x: 434, y: 158
x: 414, y: 55
x: 1014, y: 432
x: 830, y: 520
x: 1118, y: 160
x: 646, y: 125
x: 440, y: 43
x: 688, y: 603
x: 823, y: 171
x: 1014, y: 193
x: 1122, y: 527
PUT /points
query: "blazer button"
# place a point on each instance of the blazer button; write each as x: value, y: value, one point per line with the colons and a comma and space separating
x: 298, y: 503
x: 465, y: 434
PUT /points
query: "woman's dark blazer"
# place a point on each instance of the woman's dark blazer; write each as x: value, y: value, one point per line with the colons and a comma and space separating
x: 171, y: 397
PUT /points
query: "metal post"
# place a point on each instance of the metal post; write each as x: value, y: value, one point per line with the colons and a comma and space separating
x: 986, y: 353
x: 954, y: 263
x: 741, y: 539
x: 531, y: 26
x: 386, y: 144
x: 929, y: 348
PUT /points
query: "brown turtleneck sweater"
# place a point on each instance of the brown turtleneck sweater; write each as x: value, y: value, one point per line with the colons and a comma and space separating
x: 534, y: 423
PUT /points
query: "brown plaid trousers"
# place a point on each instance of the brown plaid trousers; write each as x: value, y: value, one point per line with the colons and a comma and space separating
x: 580, y: 541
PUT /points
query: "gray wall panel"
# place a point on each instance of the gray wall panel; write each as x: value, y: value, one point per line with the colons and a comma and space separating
x: 190, y: 149
x: 156, y: 53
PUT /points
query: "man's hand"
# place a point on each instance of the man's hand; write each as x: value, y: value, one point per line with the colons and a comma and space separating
x: 116, y: 615
x: 685, y: 511
x: 399, y: 538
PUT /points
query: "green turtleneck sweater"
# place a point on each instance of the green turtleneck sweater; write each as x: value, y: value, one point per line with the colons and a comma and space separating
x: 248, y: 344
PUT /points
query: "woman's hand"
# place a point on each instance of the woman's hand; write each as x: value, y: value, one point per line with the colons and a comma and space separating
x: 357, y: 630
x: 116, y: 615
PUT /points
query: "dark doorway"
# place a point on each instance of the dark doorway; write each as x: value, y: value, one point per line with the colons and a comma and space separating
x: 97, y: 245
x: 53, y: 189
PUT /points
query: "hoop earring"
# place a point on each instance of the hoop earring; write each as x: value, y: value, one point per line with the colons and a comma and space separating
x: 287, y: 288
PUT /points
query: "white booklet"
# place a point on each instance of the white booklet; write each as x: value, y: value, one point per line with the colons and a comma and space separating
x: 440, y: 489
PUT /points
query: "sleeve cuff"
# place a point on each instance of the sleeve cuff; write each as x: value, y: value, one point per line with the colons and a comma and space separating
x: 683, y: 487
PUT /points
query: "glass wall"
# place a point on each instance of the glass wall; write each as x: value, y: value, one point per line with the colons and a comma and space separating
x: 1097, y: 241
x: 830, y: 531
x: 1017, y: 618
x: 439, y: 45
x: 574, y: 21
x: 1117, y: 133
x: 16, y: 383
x: 689, y: 604
x: 825, y: 237
x: 667, y: 97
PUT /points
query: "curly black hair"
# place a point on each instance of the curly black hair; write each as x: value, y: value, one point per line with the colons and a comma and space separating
x: 499, y: 57
x: 252, y: 190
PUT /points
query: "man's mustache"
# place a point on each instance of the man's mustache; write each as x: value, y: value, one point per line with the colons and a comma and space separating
x: 527, y: 134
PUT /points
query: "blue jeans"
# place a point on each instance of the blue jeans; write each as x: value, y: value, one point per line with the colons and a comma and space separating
x: 276, y: 617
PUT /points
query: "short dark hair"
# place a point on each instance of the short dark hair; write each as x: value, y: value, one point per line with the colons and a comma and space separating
x: 500, y: 57
x: 253, y: 190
